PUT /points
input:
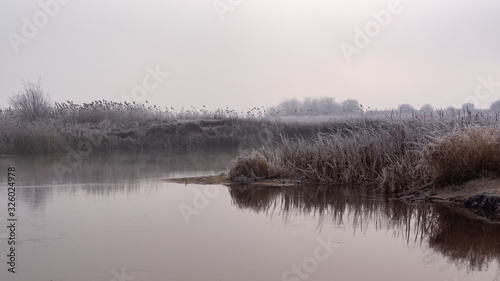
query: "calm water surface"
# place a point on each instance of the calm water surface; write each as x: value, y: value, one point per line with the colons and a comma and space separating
x: 106, y: 217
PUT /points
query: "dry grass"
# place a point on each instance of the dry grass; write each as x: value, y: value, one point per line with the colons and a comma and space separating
x: 464, y: 155
x: 29, y: 138
x: 390, y: 156
x: 376, y: 147
x: 253, y: 167
x: 108, y: 125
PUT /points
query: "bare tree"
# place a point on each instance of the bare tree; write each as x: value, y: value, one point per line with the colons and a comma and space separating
x: 32, y: 102
x: 495, y: 106
x: 427, y: 108
x: 468, y: 106
x: 291, y: 107
x: 406, y: 108
x: 350, y: 105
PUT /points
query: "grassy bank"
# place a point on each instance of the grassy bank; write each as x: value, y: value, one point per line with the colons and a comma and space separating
x: 104, y: 125
x: 394, y: 156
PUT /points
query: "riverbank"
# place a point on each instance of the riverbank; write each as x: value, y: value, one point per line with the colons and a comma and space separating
x: 53, y: 137
x: 412, y: 160
x: 107, y: 126
x: 57, y: 134
x: 481, y: 195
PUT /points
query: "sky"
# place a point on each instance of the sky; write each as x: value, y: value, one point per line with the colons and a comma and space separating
x: 242, y: 54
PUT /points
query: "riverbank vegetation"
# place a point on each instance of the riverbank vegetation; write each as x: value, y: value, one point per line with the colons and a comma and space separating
x: 104, y: 125
x: 396, y: 156
x: 34, y: 124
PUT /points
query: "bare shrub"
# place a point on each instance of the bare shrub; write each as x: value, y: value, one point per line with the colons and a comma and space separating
x: 32, y: 103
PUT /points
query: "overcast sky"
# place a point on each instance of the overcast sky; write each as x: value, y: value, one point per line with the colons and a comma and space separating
x: 242, y: 53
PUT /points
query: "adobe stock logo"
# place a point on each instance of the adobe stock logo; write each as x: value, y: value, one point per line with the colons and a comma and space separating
x: 224, y: 6
x: 310, y: 264
x: 121, y: 276
x: 30, y: 27
x: 373, y: 28
x: 150, y: 82
x: 485, y: 88
x: 201, y: 200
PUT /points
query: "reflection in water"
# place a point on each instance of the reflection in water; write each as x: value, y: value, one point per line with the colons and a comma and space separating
x: 466, y: 240
x: 112, y: 210
x: 107, y: 173
x: 470, y: 241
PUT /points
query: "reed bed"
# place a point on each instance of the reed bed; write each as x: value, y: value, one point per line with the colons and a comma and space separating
x: 464, y: 154
x: 389, y: 155
x: 108, y: 125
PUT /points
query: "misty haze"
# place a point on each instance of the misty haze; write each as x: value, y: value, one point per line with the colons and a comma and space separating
x: 249, y: 140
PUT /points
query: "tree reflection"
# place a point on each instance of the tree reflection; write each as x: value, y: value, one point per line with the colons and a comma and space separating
x: 106, y: 173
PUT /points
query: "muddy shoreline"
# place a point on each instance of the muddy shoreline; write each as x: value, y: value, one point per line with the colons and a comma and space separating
x: 481, y: 196
x: 224, y: 180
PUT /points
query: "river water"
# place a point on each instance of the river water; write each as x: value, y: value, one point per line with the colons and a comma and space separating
x: 110, y: 217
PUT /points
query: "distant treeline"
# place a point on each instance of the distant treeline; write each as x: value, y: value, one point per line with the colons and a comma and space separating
x: 315, y: 106
x: 329, y: 106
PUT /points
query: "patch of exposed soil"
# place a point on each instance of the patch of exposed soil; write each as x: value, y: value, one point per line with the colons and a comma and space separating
x: 482, y: 196
x: 465, y: 191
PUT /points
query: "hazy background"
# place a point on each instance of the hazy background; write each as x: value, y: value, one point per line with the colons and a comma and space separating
x: 258, y: 54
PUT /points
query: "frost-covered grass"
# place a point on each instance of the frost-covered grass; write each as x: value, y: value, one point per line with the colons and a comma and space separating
x: 107, y: 125
x: 390, y: 155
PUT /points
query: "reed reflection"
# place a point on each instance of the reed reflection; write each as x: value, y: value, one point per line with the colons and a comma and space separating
x: 103, y: 174
x: 454, y: 233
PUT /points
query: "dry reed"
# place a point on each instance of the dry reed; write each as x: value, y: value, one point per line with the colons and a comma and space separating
x: 391, y: 156
x: 464, y: 155
x: 253, y: 167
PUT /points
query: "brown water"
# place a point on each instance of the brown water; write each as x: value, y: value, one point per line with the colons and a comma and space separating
x: 109, y: 217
